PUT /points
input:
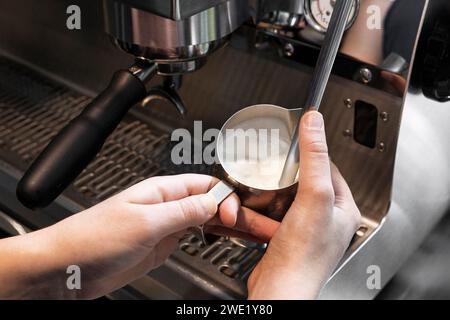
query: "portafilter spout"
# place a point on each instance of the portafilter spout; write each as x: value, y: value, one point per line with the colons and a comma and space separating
x: 319, y: 82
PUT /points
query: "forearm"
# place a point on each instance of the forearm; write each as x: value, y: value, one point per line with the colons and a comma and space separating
x: 30, y: 267
x: 35, y: 265
x: 108, y: 252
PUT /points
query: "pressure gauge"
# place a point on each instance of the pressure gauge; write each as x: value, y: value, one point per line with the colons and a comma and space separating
x: 318, y: 13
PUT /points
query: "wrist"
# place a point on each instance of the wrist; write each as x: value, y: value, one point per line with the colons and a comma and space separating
x: 285, y: 282
x: 285, y: 285
x: 30, y: 268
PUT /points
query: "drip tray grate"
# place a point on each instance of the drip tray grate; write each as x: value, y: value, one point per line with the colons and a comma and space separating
x: 32, y: 111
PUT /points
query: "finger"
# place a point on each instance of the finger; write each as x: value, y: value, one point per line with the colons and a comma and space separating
x: 256, y: 224
x: 315, y: 173
x: 229, y: 210
x: 159, y: 254
x: 343, y: 195
x: 252, y: 223
x: 227, y: 232
x: 140, y: 269
x: 340, y: 186
x: 397, y: 81
x: 174, y: 216
x: 168, y: 188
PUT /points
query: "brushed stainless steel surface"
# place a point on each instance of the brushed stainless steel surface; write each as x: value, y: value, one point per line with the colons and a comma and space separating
x: 290, y: 6
x: 174, y: 9
x: 420, y: 192
x: 165, y: 41
x: 377, y: 28
x: 282, y: 13
x: 34, y: 41
x: 420, y: 196
x: 284, y: 19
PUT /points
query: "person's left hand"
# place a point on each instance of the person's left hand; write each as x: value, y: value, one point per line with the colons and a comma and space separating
x: 126, y: 236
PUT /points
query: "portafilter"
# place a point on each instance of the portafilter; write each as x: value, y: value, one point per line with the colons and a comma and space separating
x: 169, y: 46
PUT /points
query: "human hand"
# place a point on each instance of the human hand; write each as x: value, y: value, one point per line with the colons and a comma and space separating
x: 126, y: 236
x: 316, y: 230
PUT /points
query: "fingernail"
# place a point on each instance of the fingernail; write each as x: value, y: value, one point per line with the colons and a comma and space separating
x: 314, y: 120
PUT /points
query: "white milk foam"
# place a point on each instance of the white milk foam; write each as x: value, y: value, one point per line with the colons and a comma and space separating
x: 258, y: 160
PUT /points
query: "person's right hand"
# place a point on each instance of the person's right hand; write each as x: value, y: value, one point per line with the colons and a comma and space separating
x: 316, y: 230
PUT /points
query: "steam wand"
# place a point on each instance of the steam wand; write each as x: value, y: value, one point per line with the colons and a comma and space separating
x: 319, y: 82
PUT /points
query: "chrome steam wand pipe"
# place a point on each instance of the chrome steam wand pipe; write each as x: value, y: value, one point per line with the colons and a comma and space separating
x: 319, y: 81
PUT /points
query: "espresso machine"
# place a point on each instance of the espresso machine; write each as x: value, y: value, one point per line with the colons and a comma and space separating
x: 68, y: 143
x: 170, y: 40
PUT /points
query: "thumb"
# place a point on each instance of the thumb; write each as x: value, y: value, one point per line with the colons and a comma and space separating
x: 175, y: 216
x: 315, y: 171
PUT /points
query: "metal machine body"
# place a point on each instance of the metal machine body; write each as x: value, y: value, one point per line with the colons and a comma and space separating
x: 385, y: 135
x: 179, y: 43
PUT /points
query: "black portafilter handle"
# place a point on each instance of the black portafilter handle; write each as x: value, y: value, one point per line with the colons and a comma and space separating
x: 77, y: 144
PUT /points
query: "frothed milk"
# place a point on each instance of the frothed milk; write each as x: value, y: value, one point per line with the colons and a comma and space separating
x: 255, y: 152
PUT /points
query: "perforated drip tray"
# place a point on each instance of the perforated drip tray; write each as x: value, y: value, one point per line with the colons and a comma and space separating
x: 33, y: 109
